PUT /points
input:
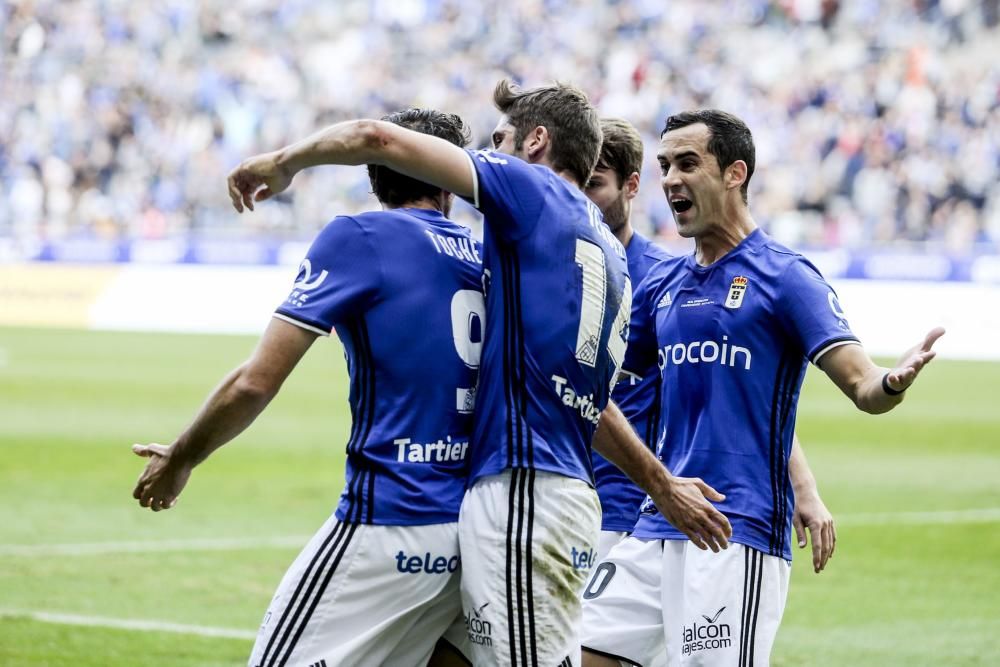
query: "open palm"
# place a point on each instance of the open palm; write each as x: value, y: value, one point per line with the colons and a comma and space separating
x: 913, y: 360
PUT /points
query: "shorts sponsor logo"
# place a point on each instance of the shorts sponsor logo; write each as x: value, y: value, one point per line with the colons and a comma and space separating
x: 267, y: 619
x: 426, y: 564
x: 710, y: 635
x: 582, y: 560
x: 480, y: 630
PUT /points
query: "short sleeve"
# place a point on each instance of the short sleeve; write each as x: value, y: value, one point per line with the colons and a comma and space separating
x: 508, y: 191
x: 338, y: 279
x: 810, y: 311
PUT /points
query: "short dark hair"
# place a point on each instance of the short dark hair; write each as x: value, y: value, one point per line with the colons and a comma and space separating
x: 396, y: 189
x: 621, y: 150
x: 562, y: 109
x: 729, y: 138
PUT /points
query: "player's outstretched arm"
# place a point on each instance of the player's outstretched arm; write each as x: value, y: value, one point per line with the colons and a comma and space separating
x: 227, y: 412
x: 682, y: 500
x: 421, y: 156
x: 872, y: 388
x: 810, y: 512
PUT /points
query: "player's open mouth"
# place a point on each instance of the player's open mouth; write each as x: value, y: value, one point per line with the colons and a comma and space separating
x: 680, y: 204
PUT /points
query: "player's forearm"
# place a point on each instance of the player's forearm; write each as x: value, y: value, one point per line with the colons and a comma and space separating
x: 230, y: 409
x: 351, y: 142
x: 421, y: 156
x: 617, y: 441
x: 871, y: 396
x: 860, y: 378
x: 803, y: 480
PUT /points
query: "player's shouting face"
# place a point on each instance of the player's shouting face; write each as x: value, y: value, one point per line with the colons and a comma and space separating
x: 697, y: 190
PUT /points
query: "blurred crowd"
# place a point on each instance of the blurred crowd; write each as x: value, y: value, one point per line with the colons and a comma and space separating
x: 875, y: 121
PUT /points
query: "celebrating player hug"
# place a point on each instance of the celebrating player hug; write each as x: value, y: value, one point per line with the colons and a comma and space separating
x: 499, y: 508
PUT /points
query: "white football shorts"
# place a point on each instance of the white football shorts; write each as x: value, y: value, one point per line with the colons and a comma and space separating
x: 653, y: 598
x: 364, y: 595
x: 527, y: 541
x: 606, y: 540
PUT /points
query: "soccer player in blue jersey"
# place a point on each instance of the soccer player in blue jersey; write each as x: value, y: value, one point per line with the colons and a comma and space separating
x: 736, y: 323
x: 379, y: 583
x: 612, y: 187
x: 557, y: 304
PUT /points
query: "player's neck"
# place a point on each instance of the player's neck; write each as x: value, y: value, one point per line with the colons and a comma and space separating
x: 542, y: 158
x: 723, y: 237
x: 624, y: 233
x: 425, y: 203
x: 566, y: 176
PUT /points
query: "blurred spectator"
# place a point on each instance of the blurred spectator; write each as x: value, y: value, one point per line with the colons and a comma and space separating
x: 876, y: 121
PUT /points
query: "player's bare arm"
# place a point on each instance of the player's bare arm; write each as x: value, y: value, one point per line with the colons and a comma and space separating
x: 356, y: 142
x: 810, y: 512
x: 875, y: 389
x: 682, y: 500
x: 227, y: 412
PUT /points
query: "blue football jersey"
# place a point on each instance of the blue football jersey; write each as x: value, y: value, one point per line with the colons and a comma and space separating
x: 557, y: 309
x: 402, y: 290
x: 637, y: 393
x: 734, y: 339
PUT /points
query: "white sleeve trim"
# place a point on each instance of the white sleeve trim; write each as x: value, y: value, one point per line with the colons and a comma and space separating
x: 831, y: 346
x: 475, y: 182
x: 301, y: 325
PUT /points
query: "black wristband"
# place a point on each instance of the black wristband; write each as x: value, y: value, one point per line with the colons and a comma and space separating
x: 889, y: 390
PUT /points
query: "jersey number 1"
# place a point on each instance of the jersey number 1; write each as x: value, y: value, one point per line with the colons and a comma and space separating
x: 590, y: 258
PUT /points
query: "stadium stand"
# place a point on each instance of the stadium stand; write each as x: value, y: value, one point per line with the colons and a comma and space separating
x: 876, y: 122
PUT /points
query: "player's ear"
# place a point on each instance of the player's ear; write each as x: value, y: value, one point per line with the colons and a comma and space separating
x: 736, y: 175
x: 631, y: 186
x: 536, y: 143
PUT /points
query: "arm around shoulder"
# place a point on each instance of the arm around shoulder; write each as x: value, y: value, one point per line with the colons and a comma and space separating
x: 421, y: 156
x: 354, y: 142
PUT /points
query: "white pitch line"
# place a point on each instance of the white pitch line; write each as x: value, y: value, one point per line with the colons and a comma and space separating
x: 127, y: 624
x: 943, y: 517
x: 153, y: 546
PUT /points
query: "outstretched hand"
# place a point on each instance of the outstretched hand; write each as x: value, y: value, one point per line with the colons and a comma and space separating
x: 256, y: 179
x: 162, y: 480
x: 686, y: 508
x: 913, y: 360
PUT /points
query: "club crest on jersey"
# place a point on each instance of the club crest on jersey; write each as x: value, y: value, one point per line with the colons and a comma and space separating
x: 736, y: 292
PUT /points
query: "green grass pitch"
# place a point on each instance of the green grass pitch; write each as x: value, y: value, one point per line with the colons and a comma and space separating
x: 899, y: 591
